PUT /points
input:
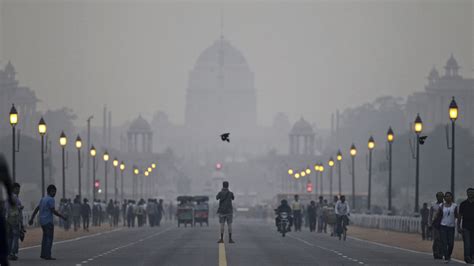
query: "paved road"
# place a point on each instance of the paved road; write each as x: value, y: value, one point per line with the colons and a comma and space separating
x: 257, y: 244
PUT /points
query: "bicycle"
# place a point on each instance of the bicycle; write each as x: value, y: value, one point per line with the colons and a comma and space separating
x: 343, y: 229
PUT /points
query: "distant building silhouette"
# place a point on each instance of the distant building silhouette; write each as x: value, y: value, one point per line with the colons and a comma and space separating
x: 433, y: 102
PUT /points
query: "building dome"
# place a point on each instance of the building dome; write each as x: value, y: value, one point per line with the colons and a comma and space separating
x: 452, y: 63
x: 221, y: 54
x: 139, y: 125
x: 302, y: 127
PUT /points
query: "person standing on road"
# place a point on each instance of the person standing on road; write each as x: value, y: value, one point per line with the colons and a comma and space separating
x: 85, y: 213
x: 466, y: 225
x: 319, y: 213
x: 46, y: 210
x: 449, y: 212
x: 151, y: 209
x: 6, y: 181
x: 297, y: 208
x: 15, y: 227
x: 424, y: 213
x: 225, y: 210
x: 312, y: 216
x: 437, y: 251
x: 160, y: 212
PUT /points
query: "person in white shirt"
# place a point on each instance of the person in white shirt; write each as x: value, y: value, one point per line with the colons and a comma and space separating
x: 449, y: 212
x: 342, y: 210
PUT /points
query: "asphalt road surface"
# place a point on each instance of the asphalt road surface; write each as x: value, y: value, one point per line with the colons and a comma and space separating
x: 257, y: 243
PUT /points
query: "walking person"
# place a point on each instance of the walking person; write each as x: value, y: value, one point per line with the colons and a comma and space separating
x: 311, y: 210
x: 76, y: 213
x: 424, y: 213
x: 466, y: 225
x: 449, y: 212
x: 297, y: 209
x: 160, y: 211
x: 46, y: 210
x: 85, y: 213
x: 15, y: 227
x: 319, y: 213
x: 437, y: 251
x: 7, y: 183
x: 151, y: 209
x: 225, y: 210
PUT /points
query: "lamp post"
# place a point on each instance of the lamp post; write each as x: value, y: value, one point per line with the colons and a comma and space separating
x: 418, y: 129
x: 136, y: 172
x: 453, y: 115
x: 390, y: 139
x: 13, y: 123
x: 353, y: 152
x: 122, y: 168
x: 93, y: 153
x: 316, y: 183
x: 78, y: 147
x: 290, y: 173
x: 42, y: 131
x: 116, y: 164
x: 321, y: 177
x: 63, y: 143
x: 331, y: 165
x: 146, y: 174
x: 106, y: 159
x: 371, y: 146
x: 155, y: 181
x: 339, y: 159
x: 308, y: 173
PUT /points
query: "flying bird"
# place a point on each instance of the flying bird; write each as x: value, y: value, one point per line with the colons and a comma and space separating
x: 422, y: 139
x: 225, y: 137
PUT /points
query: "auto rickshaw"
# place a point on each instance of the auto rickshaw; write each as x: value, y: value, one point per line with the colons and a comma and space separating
x: 185, y: 211
x: 201, y: 210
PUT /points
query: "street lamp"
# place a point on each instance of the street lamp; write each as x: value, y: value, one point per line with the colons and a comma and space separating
x: 93, y: 153
x: 331, y: 165
x: 418, y: 129
x: 122, y: 168
x: 78, y: 147
x: 153, y: 165
x: 63, y: 143
x: 321, y: 171
x: 339, y: 159
x: 116, y: 164
x: 453, y: 115
x: 390, y: 139
x: 136, y: 172
x: 106, y: 159
x: 353, y: 152
x: 290, y: 171
x: 13, y: 123
x: 308, y: 171
x: 42, y: 131
x: 297, y: 176
x: 371, y: 146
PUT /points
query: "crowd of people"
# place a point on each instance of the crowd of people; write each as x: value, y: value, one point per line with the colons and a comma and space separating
x: 317, y: 215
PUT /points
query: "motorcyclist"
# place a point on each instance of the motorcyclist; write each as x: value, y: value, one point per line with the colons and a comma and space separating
x: 284, y: 207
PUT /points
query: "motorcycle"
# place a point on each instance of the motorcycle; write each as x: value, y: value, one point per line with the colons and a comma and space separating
x: 284, y: 222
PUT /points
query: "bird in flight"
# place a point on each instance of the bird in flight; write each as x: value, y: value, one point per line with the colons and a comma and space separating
x: 225, y: 137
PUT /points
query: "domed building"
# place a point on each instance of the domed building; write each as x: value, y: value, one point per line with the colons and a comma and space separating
x: 302, y: 138
x: 140, y: 134
x: 221, y: 95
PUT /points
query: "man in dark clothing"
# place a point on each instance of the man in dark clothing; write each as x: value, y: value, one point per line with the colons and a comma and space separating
x: 225, y: 210
x: 437, y: 251
x: 425, y: 213
x: 312, y: 216
x: 466, y: 225
x: 284, y: 207
x: 85, y: 213
x: 76, y: 213
x: 6, y: 180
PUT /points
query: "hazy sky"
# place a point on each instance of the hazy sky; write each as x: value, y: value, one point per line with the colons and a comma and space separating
x: 309, y: 58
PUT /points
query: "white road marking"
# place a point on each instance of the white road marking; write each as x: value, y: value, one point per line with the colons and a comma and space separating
x: 131, y: 244
x: 323, y: 248
x: 75, y: 239
x: 399, y: 248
